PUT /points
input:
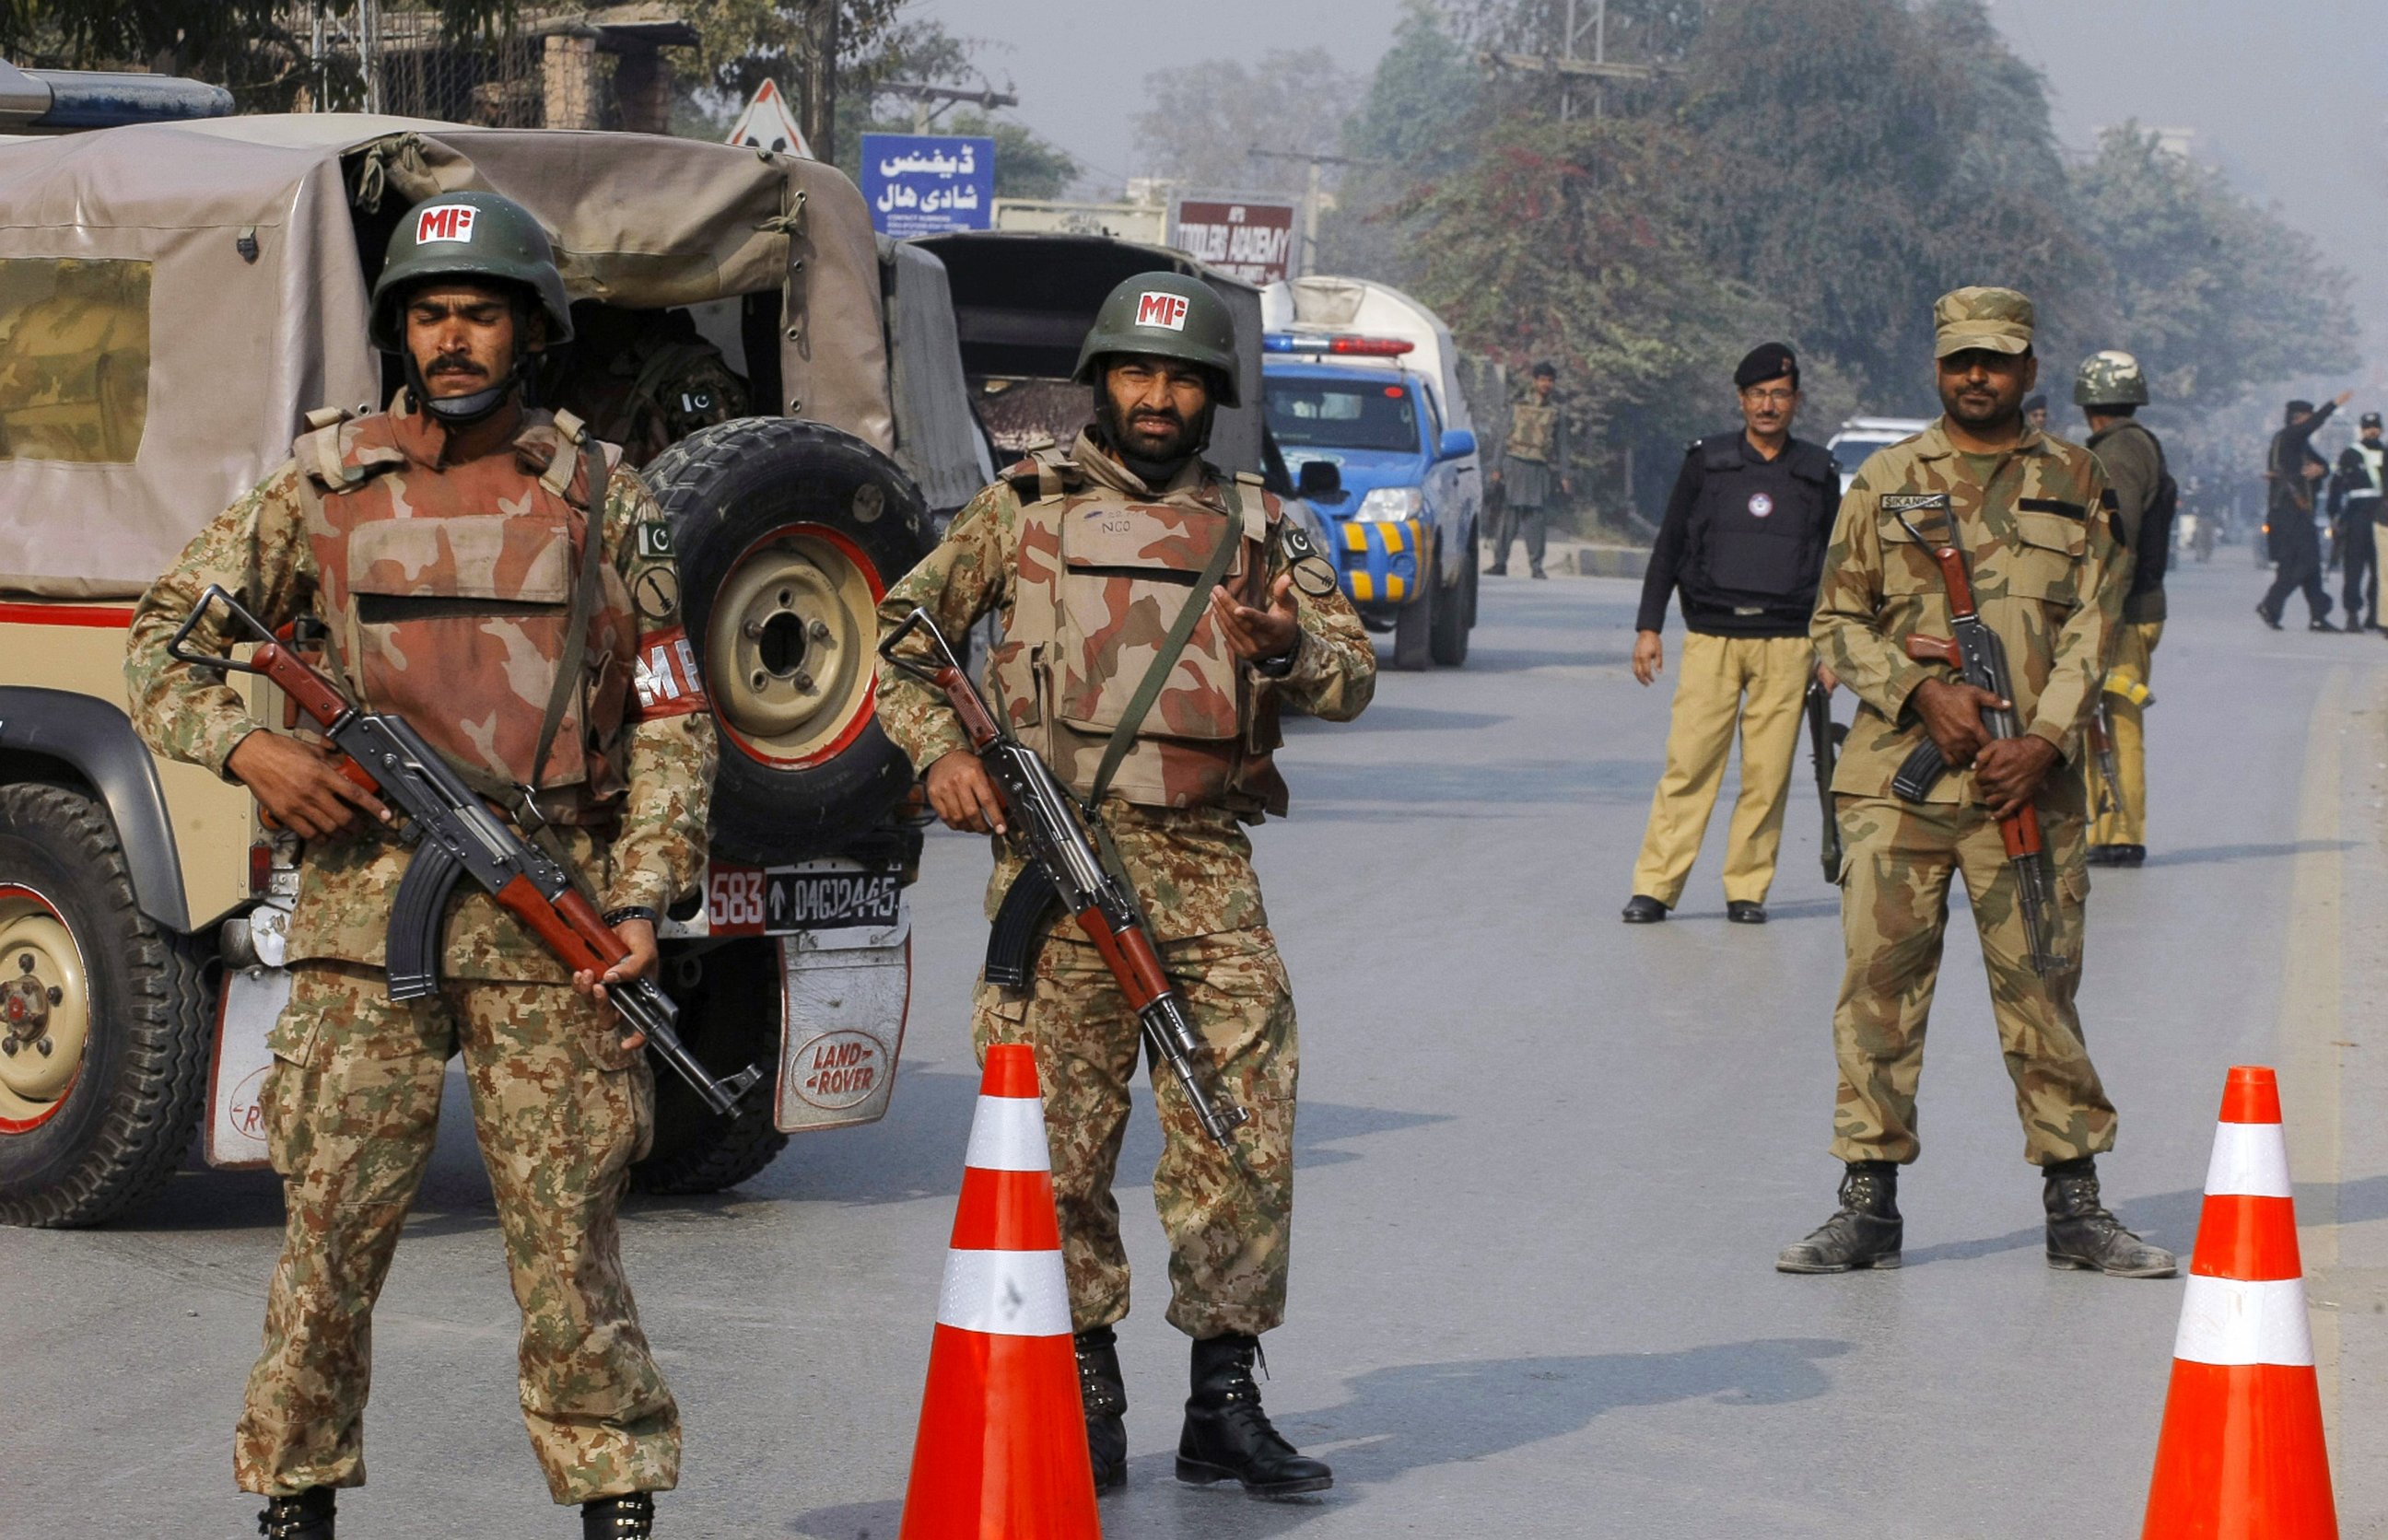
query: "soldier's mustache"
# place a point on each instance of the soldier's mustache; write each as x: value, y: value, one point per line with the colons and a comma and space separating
x: 456, y: 363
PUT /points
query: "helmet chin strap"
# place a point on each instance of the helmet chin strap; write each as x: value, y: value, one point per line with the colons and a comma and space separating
x: 462, y: 411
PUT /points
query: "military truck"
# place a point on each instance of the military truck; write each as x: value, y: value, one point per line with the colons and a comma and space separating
x: 175, y: 297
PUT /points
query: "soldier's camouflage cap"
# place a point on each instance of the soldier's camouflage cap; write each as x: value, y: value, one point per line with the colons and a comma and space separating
x: 1997, y: 319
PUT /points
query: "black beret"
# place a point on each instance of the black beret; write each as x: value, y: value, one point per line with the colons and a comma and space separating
x: 2370, y: 420
x: 1767, y: 361
x: 2297, y: 407
x: 2037, y: 403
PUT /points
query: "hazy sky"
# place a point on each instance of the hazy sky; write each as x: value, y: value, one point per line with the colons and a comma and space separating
x: 2290, y: 96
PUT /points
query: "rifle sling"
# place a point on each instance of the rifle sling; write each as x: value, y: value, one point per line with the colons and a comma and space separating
x: 1181, y: 630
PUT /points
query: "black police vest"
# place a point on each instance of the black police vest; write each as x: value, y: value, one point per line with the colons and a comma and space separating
x: 1760, y: 526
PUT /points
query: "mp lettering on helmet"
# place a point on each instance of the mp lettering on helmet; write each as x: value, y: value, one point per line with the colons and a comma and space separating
x: 1154, y: 308
x: 453, y: 223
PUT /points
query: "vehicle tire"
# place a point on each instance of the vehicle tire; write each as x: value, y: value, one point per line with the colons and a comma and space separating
x: 787, y: 534
x: 107, y: 1016
x: 730, y: 1018
x: 1456, y: 614
x: 1414, y: 623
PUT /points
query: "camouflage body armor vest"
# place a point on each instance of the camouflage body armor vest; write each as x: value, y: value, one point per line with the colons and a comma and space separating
x: 1101, y: 577
x: 448, y: 594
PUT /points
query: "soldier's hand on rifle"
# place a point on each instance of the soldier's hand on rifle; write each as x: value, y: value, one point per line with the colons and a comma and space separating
x: 2009, y: 772
x: 300, y: 786
x: 1826, y: 677
x: 959, y: 789
x: 1257, y: 634
x: 1952, y: 714
x: 1649, y: 656
x: 640, y: 937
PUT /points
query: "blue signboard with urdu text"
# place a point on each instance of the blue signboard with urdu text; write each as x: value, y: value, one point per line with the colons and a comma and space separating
x: 921, y: 183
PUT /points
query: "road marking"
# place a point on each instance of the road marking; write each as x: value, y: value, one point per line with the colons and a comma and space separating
x: 2309, y: 1020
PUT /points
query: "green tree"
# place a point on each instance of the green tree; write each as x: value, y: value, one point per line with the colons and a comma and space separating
x: 1206, y: 120
x: 2214, y: 294
x: 1420, y: 120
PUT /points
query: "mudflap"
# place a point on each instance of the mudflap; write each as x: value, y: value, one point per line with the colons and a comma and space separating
x: 844, y: 997
x: 251, y: 1003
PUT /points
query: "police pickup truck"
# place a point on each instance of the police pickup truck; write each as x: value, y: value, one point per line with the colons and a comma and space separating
x: 1364, y: 402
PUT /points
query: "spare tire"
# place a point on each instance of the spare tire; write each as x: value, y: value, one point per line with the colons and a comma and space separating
x: 788, y: 533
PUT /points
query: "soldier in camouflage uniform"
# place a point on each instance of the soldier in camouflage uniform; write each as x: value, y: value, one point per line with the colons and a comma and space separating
x: 2110, y: 387
x: 1089, y: 555
x: 2032, y: 514
x: 445, y: 547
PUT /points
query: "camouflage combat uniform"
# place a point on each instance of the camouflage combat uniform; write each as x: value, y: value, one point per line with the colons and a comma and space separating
x: 559, y: 1106
x: 2049, y: 581
x: 661, y: 385
x: 1072, y: 650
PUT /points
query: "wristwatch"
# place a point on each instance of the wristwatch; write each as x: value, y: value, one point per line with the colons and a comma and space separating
x: 1280, y: 666
x: 614, y: 918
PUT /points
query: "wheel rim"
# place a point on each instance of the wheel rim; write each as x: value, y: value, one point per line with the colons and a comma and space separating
x: 788, y: 649
x: 44, y: 1009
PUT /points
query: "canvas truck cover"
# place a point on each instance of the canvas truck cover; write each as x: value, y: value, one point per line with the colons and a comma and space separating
x: 196, y: 288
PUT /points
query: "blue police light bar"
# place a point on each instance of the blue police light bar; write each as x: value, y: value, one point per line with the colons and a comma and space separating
x: 1342, y: 344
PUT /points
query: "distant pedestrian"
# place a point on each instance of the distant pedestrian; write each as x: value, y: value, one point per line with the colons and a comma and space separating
x: 1743, y: 539
x: 1535, y: 460
x: 2029, y: 513
x: 2292, y: 468
x: 2355, y: 505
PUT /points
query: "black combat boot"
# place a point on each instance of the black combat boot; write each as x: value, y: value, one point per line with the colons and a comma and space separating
x: 2082, y: 1234
x: 1228, y: 1437
x: 1866, y: 1231
x: 629, y: 1517
x: 1104, y: 1391
x: 307, y: 1516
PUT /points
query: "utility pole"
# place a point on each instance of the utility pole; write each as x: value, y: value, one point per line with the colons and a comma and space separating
x: 1312, y: 198
x: 985, y: 99
x: 820, y: 80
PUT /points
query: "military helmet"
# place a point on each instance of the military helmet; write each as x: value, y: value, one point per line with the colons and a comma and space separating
x: 2111, y: 378
x: 468, y: 235
x: 1167, y: 315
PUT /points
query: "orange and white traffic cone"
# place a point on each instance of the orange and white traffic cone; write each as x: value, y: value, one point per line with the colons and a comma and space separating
x: 2242, y: 1457
x: 1002, y: 1449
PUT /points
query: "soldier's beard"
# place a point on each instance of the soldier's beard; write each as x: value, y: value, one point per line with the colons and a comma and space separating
x: 1156, y: 471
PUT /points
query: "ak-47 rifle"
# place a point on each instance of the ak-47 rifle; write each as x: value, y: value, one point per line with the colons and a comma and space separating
x: 1825, y: 738
x: 456, y: 834
x: 1974, y: 651
x: 1064, y: 864
x: 2110, y: 776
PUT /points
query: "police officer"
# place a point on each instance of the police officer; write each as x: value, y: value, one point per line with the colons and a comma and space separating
x: 1089, y: 554
x: 1743, y: 539
x: 2034, y: 413
x: 2355, y: 503
x: 2290, y: 467
x: 2110, y: 389
x: 2029, y: 512
x: 1533, y: 461
x: 387, y: 529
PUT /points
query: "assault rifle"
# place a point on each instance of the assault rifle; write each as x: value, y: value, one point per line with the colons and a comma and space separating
x: 1825, y: 738
x: 456, y: 834
x: 2102, y: 743
x: 1065, y: 865
x: 1974, y: 651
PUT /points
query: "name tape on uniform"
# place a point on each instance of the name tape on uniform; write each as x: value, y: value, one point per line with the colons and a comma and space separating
x: 1913, y: 502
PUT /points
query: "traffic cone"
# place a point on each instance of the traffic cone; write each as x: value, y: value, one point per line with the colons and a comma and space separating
x: 2240, y: 1457
x: 1002, y: 1449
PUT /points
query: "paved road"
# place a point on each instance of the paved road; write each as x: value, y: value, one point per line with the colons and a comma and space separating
x: 1547, y: 1161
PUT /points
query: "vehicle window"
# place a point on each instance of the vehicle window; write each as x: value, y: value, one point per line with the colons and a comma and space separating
x: 1327, y: 414
x: 74, y: 358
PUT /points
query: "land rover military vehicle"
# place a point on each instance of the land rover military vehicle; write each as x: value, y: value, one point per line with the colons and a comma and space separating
x: 175, y: 299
